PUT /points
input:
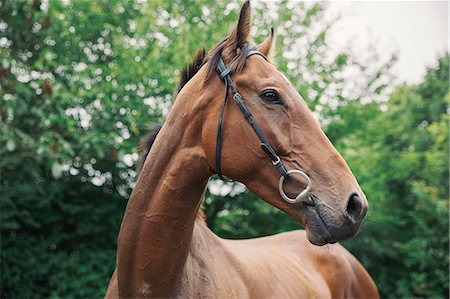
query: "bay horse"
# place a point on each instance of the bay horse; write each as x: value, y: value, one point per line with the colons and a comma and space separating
x: 166, y: 250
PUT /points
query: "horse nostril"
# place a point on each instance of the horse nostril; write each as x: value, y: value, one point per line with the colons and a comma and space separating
x: 354, y: 207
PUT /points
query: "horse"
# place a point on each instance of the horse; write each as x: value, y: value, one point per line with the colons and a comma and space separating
x: 265, y: 137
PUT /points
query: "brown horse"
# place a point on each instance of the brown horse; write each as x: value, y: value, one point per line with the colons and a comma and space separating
x: 165, y: 250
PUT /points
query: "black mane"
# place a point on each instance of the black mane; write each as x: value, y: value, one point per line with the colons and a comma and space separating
x: 146, y: 144
x: 191, y: 69
x: 234, y: 58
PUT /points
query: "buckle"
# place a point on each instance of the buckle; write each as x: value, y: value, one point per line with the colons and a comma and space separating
x: 277, y: 161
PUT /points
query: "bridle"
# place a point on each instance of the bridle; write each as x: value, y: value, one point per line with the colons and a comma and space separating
x: 225, y: 75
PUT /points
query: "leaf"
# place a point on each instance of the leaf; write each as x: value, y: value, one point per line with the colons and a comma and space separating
x: 10, y: 145
x: 56, y: 170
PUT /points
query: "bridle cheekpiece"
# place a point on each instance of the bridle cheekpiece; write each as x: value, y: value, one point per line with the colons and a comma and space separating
x: 225, y: 75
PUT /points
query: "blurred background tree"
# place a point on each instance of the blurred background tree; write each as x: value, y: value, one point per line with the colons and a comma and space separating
x: 81, y: 81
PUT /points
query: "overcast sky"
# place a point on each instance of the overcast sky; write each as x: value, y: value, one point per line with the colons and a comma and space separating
x: 417, y: 31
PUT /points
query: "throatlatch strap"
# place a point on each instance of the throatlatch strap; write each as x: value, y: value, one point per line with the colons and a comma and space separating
x: 225, y: 76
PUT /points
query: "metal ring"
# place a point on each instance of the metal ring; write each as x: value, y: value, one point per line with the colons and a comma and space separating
x: 302, y: 196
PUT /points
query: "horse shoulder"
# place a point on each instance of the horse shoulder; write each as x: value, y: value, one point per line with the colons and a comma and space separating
x: 363, y: 285
x: 272, y: 268
x: 344, y: 274
x: 211, y: 270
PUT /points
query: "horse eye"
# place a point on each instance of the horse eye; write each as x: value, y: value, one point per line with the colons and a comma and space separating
x: 271, y: 97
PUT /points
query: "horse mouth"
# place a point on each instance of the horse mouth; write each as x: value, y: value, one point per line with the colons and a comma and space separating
x: 317, y: 231
x: 322, y: 227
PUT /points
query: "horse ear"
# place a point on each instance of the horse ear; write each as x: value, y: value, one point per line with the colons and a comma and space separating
x: 266, y: 46
x: 240, y: 34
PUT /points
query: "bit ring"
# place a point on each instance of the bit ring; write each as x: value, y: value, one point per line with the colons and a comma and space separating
x: 302, y: 196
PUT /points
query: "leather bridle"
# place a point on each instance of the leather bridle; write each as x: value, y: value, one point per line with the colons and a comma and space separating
x: 225, y: 75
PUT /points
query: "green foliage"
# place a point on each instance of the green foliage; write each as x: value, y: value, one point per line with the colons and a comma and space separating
x: 81, y: 80
x: 68, y: 119
x: 407, y: 182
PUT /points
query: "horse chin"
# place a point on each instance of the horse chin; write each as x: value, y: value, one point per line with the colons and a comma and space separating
x: 316, y: 230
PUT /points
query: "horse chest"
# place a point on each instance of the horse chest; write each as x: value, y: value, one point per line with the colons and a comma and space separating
x: 223, y: 273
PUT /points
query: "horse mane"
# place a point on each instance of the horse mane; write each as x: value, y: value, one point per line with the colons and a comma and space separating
x: 146, y: 143
x: 191, y: 69
x: 233, y: 57
x: 144, y: 147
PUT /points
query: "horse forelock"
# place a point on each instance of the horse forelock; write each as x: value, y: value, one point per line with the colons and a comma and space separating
x: 233, y: 57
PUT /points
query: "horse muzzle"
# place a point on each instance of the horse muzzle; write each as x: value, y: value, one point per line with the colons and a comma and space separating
x: 324, y: 224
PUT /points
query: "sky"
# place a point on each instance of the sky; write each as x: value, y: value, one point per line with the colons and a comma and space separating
x: 416, y: 30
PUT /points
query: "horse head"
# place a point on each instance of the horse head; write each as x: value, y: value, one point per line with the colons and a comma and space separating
x: 334, y: 205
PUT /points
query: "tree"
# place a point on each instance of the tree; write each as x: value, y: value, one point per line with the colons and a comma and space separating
x: 401, y: 158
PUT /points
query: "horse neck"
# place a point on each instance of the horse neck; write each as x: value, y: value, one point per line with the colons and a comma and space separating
x: 157, y: 227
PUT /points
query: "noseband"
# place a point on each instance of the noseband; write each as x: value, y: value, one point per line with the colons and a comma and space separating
x: 225, y: 75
